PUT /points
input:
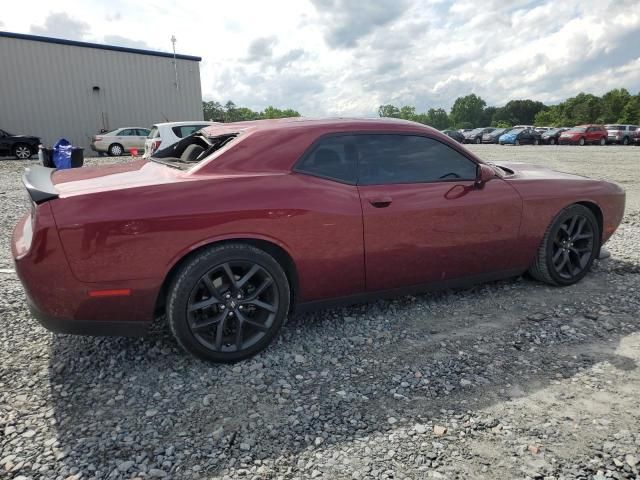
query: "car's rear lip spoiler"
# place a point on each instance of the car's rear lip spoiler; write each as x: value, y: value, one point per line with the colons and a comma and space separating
x: 37, y: 180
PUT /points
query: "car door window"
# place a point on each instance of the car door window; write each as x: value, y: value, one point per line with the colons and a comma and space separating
x: 388, y: 159
x: 142, y: 132
x: 127, y: 132
x: 333, y: 158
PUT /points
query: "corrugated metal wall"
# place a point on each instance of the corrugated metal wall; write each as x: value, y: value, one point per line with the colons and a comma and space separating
x: 46, y: 90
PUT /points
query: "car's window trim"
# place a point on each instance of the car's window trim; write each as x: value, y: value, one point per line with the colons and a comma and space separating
x: 310, y: 148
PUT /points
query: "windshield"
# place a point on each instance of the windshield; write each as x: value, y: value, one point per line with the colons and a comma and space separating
x: 192, y: 150
x: 154, y: 133
x: 498, y: 131
x: 517, y: 130
x: 578, y: 130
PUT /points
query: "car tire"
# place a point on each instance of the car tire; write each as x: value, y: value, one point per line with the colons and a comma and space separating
x: 478, y: 140
x: 22, y: 151
x: 210, y: 330
x: 536, y: 142
x: 625, y: 141
x: 581, y: 142
x: 552, y: 141
x: 517, y: 142
x: 115, y: 150
x: 603, y: 142
x: 569, y: 246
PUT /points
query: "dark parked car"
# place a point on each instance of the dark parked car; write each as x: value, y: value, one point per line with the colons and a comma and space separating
x: 475, y: 135
x: 584, y: 134
x: 20, y: 146
x: 455, y: 134
x: 231, y: 229
x: 520, y: 136
x: 493, y: 136
x: 550, y: 137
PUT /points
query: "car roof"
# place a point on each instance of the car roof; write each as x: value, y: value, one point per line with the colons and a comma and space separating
x: 179, y: 124
x: 314, y: 123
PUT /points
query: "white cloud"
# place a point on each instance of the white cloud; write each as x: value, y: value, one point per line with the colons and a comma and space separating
x: 345, y: 57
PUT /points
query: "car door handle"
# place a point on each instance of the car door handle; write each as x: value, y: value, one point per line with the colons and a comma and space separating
x: 380, y: 202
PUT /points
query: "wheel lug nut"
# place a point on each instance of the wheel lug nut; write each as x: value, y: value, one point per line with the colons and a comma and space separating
x: 240, y: 307
x: 227, y: 296
x: 231, y: 314
x: 239, y: 296
x: 222, y: 307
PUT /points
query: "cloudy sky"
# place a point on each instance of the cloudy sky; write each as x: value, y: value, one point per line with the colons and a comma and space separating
x: 346, y: 57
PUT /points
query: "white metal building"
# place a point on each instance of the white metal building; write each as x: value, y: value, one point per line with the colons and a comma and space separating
x: 54, y: 88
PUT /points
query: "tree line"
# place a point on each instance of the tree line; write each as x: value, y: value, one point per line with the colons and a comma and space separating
x: 469, y: 111
x: 230, y: 112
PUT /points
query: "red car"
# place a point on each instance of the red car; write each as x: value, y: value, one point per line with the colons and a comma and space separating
x: 584, y: 134
x: 228, y: 230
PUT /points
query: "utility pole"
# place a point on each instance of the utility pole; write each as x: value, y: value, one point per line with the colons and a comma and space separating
x: 175, y: 64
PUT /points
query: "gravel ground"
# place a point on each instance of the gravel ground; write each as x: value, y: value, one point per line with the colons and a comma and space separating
x: 507, y: 380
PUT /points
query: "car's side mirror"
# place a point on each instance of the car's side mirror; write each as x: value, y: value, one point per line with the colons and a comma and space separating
x: 485, y: 173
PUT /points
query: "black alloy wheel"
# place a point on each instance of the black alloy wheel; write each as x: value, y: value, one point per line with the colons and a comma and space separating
x: 228, y: 303
x: 569, y: 247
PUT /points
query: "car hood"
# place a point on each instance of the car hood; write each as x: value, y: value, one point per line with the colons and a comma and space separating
x: 530, y: 171
x: 139, y: 173
x: 25, y: 137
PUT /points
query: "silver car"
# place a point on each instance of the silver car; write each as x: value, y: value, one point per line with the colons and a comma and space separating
x: 622, y: 134
x: 120, y: 141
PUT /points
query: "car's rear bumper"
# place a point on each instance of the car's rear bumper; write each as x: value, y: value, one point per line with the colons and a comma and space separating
x: 64, y: 304
x: 87, y: 327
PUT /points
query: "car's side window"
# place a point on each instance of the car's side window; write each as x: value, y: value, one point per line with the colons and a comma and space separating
x: 126, y: 133
x: 331, y: 157
x: 142, y: 132
x: 388, y: 158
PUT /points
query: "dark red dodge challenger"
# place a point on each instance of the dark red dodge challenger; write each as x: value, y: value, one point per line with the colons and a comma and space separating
x: 230, y: 229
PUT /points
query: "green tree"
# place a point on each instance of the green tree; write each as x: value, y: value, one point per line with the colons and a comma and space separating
x: 388, y: 111
x: 213, y: 111
x: 437, y: 118
x: 631, y: 111
x: 273, y: 112
x: 468, y: 110
x: 613, y: 103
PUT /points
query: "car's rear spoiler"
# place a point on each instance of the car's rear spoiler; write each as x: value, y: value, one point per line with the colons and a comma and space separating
x: 37, y: 180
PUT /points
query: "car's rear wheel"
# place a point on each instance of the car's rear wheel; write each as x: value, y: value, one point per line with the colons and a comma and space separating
x: 625, y: 141
x: 228, y: 302
x: 552, y: 141
x: 581, y: 141
x: 603, y: 141
x: 568, y: 248
x: 22, y: 151
x: 478, y: 140
x: 115, y: 149
x: 536, y: 141
x: 517, y: 142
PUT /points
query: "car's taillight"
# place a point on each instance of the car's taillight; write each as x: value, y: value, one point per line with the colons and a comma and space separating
x: 97, y: 139
x: 155, y: 145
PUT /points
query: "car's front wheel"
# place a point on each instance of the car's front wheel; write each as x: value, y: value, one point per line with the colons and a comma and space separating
x: 568, y: 248
x: 478, y: 140
x: 228, y: 302
x: 581, y: 141
x: 552, y: 141
x: 115, y: 149
x: 603, y: 141
x: 22, y: 151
